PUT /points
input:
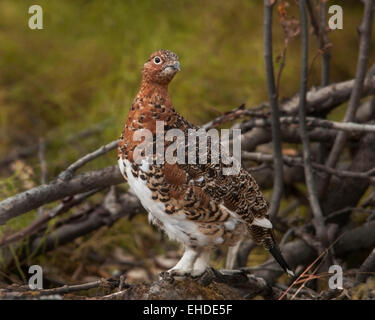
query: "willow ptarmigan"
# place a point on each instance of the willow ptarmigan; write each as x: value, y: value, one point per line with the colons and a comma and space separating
x: 193, y: 203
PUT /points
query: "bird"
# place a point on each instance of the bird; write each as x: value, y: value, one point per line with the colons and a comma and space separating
x: 193, y: 203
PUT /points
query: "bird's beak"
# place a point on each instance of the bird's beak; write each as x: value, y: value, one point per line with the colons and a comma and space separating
x: 176, y: 65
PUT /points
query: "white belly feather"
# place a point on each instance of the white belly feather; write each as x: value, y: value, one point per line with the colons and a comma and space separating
x: 176, y: 226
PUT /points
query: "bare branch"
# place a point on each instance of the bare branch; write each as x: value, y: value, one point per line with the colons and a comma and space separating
x: 364, y: 50
x: 69, y: 172
x: 43, y: 167
x: 85, y: 222
x: 278, y: 186
x: 42, y: 220
x: 35, y: 197
x: 312, y: 122
x: 310, y: 182
x: 237, y: 113
x: 7, y: 294
x: 42, y: 161
x: 323, y: 100
x: 67, y: 289
x: 319, y: 101
x: 297, y: 161
x: 319, y: 28
x: 324, y: 44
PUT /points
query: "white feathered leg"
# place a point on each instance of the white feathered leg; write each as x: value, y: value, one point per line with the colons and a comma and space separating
x: 201, y: 263
x: 185, y: 265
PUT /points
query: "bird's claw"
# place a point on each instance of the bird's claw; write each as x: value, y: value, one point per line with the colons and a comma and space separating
x: 174, y: 274
x: 166, y: 276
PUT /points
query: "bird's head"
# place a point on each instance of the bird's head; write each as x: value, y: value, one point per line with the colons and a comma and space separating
x: 161, y: 67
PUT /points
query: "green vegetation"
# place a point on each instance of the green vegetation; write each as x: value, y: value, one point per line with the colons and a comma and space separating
x: 84, y: 66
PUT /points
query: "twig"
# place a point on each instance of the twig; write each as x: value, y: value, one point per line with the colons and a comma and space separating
x: 278, y: 185
x: 237, y: 113
x: 321, y: 255
x: 312, y: 122
x: 281, y: 68
x: 42, y: 160
x: 69, y: 172
x: 321, y: 34
x: 122, y: 282
x: 309, y: 176
x: 314, y: 22
x: 55, y: 291
x: 43, y: 167
x: 324, y: 44
x: 290, y: 29
x: 78, y: 287
x: 112, y: 296
x: 297, y: 161
x: 307, y: 291
x: 364, y: 50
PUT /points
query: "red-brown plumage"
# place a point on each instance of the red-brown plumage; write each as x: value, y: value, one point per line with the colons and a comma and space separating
x: 194, y: 204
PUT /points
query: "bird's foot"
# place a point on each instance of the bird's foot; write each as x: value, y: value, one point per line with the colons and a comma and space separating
x: 166, y: 276
x: 175, y: 274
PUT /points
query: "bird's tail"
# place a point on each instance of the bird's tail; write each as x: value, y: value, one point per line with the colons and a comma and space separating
x: 264, y: 236
x: 276, y: 253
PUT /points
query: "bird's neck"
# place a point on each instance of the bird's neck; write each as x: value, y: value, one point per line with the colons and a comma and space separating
x: 151, y: 103
x: 155, y: 92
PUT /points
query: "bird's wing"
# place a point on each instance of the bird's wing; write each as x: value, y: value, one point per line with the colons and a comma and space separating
x: 239, y: 193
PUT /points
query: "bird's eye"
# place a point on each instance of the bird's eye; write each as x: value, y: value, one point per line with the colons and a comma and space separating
x: 157, y: 60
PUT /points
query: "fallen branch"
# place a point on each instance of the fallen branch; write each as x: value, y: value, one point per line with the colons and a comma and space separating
x: 323, y: 100
x: 297, y: 161
x: 312, y: 123
x: 24, y: 293
x: 47, y: 216
x: 85, y: 222
x: 255, y: 131
x: 35, y: 197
